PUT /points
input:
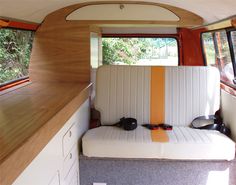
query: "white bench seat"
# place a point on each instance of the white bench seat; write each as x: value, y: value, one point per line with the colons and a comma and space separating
x: 184, y: 143
x: 130, y: 91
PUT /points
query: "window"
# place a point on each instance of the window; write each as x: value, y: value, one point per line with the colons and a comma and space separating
x: 140, y: 51
x: 15, y: 50
x: 218, y: 53
x: 233, y: 39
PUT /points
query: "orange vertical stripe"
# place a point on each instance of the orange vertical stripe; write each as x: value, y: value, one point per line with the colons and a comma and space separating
x: 157, y: 95
x: 159, y: 136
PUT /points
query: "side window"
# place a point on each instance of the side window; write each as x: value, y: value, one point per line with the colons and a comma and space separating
x: 209, y: 48
x: 218, y: 53
x: 140, y: 51
x: 233, y: 38
x: 15, y: 50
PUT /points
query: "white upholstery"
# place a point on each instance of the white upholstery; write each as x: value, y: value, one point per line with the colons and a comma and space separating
x: 108, y: 141
x: 190, y: 92
x: 184, y: 143
x: 123, y: 91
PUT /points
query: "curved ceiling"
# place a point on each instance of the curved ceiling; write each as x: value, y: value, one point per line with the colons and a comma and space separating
x: 123, y: 12
x: 36, y: 10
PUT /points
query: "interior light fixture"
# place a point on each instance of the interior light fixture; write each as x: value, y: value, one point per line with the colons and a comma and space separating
x: 122, y: 6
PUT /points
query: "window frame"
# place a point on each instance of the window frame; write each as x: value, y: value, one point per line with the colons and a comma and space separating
x: 230, y: 44
x: 232, y: 54
x: 24, y: 79
x: 174, y: 36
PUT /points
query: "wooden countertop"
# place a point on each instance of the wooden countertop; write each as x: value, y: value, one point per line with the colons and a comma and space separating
x: 29, y: 117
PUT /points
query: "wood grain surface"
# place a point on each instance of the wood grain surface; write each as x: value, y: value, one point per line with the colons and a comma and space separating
x: 187, y: 18
x: 30, y: 117
x: 61, y: 53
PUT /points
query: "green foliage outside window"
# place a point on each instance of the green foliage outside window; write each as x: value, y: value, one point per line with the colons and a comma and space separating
x: 140, y: 51
x: 15, y: 50
x: 125, y: 49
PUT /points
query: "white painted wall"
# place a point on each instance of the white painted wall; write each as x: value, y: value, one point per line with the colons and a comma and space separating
x: 228, y: 105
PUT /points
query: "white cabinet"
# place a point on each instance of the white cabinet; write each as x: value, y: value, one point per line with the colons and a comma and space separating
x: 58, y: 162
x: 55, y: 180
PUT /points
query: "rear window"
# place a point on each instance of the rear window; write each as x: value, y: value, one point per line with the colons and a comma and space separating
x: 140, y: 51
x: 218, y: 53
x: 15, y: 50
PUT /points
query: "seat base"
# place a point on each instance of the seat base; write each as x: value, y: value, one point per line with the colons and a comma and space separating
x: 184, y: 144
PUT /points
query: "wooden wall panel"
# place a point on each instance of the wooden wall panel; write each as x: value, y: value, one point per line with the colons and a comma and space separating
x: 61, y: 49
x: 187, y: 18
x: 61, y: 53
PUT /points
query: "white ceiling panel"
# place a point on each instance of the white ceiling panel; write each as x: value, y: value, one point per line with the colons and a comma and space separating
x: 36, y: 10
x: 126, y: 12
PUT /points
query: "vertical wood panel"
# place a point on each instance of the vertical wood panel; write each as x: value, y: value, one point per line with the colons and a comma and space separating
x: 61, y: 53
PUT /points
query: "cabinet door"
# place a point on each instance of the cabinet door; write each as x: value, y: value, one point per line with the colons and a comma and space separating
x: 42, y: 170
x: 74, y: 180
x: 55, y: 180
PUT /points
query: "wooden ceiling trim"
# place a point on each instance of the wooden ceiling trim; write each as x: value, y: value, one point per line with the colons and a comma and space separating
x: 225, y: 23
x: 187, y: 18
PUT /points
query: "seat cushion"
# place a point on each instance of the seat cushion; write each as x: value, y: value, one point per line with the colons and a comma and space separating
x: 184, y: 143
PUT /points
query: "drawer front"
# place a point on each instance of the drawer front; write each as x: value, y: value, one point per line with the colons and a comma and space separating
x: 72, y: 177
x: 71, y: 159
x: 74, y: 181
x: 55, y: 180
x: 69, y: 139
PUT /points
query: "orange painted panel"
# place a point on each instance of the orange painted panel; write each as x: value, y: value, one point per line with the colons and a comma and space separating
x: 13, y: 84
x: 157, y: 95
x: 20, y: 25
x: 3, y: 23
x: 190, y: 47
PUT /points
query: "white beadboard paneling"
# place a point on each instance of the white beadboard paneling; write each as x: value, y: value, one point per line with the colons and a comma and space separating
x: 133, y: 92
x: 120, y: 91
x: 113, y: 94
x: 123, y: 91
x: 146, y: 92
x: 190, y: 92
x: 126, y: 89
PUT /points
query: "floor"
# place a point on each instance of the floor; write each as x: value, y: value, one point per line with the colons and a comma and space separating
x: 156, y: 172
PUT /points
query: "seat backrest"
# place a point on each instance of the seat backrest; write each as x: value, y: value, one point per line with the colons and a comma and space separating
x: 174, y: 95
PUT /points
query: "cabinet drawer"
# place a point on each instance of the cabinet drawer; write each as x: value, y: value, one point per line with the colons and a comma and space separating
x: 69, y: 139
x: 70, y: 159
x: 55, y: 180
x: 72, y: 177
x: 74, y: 180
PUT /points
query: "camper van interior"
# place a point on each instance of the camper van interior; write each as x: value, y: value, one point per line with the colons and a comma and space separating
x: 117, y: 92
